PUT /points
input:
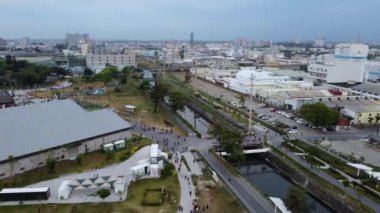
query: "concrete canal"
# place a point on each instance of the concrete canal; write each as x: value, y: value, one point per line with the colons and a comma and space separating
x: 270, y: 181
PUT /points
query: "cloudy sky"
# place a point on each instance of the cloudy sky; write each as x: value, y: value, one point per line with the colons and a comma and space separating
x: 341, y: 20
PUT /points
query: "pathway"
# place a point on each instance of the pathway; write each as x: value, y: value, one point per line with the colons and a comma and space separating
x: 80, y: 196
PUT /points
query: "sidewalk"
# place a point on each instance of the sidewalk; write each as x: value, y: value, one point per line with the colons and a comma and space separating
x: 187, y: 186
x: 193, y: 164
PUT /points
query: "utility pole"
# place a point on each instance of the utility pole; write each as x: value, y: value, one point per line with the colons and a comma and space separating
x: 164, y: 59
x: 250, y: 105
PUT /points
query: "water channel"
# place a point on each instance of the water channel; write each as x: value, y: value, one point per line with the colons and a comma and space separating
x: 260, y: 173
x: 193, y: 118
x: 255, y: 169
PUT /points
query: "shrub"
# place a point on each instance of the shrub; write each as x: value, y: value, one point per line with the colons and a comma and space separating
x: 153, y: 197
x: 103, y: 193
x: 167, y: 170
x: 117, y: 89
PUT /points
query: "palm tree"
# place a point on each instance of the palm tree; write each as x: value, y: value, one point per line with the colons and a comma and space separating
x: 158, y: 92
x: 241, y: 99
x: 144, y: 87
x: 370, y: 119
x: 377, y: 119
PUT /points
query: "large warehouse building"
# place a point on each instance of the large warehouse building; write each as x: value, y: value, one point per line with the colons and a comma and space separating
x: 57, y: 129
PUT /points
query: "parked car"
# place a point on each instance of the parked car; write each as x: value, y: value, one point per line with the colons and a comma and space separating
x: 262, y: 105
x: 274, y: 110
x: 292, y: 131
x: 260, y: 115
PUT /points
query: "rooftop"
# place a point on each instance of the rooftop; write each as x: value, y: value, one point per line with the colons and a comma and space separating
x: 5, y: 97
x: 368, y: 87
x: 307, y: 93
x: 32, y: 128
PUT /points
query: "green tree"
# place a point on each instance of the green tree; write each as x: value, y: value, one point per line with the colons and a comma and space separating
x: 50, y: 163
x: 187, y: 77
x: 370, y: 120
x: 88, y: 72
x: 144, y: 87
x: 177, y: 100
x: 103, y: 193
x: 296, y: 200
x: 125, y: 73
x: 241, y: 99
x: 155, y: 56
x: 108, y: 74
x: 157, y: 93
x: 319, y: 114
x: 229, y: 140
x: 377, y: 119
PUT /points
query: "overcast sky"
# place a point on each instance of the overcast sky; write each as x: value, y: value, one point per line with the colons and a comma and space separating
x: 338, y: 20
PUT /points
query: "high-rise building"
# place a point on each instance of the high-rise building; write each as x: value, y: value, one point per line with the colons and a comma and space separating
x: 3, y: 42
x: 319, y: 42
x: 25, y: 41
x: 191, y: 38
x: 76, y: 38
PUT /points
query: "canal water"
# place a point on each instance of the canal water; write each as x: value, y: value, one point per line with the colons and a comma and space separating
x: 255, y: 169
x: 261, y: 174
x: 198, y: 122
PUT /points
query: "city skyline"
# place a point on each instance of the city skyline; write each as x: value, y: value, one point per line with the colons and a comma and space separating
x: 209, y: 19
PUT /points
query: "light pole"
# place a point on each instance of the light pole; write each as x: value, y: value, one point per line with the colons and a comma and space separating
x: 250, y: 105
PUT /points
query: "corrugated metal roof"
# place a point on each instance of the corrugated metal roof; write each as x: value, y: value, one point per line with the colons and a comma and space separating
x: 32, y: 128
x: 24, y: 190
x: 5, y: 97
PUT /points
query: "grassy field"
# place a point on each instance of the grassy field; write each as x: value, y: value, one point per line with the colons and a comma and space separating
x: 129, y: 94
x: 218, y: 198
x: 131, y: 205
x: 88, y: 161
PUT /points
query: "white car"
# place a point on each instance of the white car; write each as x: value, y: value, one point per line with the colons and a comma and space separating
x: 292, y: 131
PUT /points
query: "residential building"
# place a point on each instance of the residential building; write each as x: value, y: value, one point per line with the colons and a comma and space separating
x: 59, y: 130
x: 99, y: 62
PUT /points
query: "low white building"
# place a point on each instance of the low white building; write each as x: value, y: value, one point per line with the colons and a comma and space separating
x: 150, y: 166
x: 98, y: 62
x: 259, y: 79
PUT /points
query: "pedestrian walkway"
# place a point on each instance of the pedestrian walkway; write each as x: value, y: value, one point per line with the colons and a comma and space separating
x: 187, y: 186
x: 193, y: 164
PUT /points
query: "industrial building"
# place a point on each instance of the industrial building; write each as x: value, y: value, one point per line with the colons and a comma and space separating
x: 260, y: 79
x: 345, y: 66
x: 59, y: 130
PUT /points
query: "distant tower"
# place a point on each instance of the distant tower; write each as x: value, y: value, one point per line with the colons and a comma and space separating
x: 191, y: 38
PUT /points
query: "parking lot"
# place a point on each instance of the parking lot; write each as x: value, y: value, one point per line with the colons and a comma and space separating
x: 303, y: 129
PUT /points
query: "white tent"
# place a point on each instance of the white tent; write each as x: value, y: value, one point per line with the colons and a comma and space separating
x: 139, y: 170
x: 119, y: 185
x: 64, y: 190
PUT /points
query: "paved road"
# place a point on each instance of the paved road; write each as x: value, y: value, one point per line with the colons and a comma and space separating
x: 250, y: 197
x: 245, y: 192
x: 309, y: 133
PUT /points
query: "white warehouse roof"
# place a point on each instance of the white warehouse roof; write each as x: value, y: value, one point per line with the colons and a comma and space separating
x: 32, y: 128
